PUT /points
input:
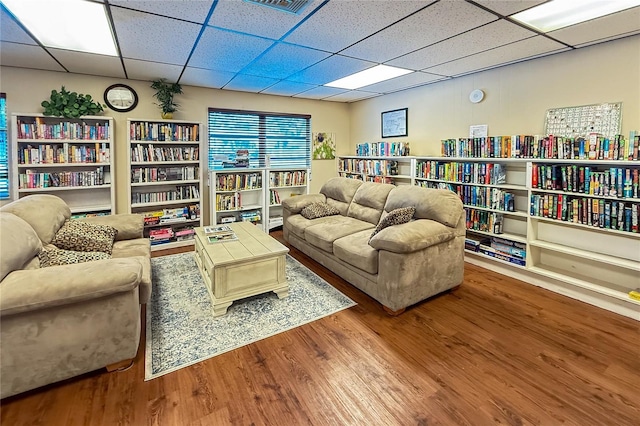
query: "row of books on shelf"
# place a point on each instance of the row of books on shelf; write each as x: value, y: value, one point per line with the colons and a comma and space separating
x: 160, y: 174
x: 38, y: 128
x: 590, y: 147
x: 149, y: 131
x: 482, y: 173
x: 369, y: 178
x: 479, y: 196
x: 165, y: 235
x: 90, y: 214
x: 174, y: 215
x: 141, y: 153
x: 369, y: 167
x: 33, y: 179
x: 599, y: 213
x: 609, y: 182
x: 499, y: 248
x: 182, y: 192
x: 64, y: 153
x: 485, y: 221
x: 383, y: 149
x: 238, y: 181
x: 292, y: 178
x: 253, y: 216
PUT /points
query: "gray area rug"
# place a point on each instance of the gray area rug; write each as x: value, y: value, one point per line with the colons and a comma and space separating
x: 181, y: 330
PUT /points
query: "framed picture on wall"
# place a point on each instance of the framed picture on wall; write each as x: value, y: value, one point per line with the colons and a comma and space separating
x: 394, y: 123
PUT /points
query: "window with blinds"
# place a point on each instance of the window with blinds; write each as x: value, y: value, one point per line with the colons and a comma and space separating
x: 271, y: 139
x: 4, y: 150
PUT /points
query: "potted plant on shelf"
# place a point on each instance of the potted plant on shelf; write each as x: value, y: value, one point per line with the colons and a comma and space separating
x: 164, y: 95
x: 70, y: 104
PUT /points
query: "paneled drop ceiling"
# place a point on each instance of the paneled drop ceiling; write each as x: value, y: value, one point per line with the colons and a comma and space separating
x: 239, y: 45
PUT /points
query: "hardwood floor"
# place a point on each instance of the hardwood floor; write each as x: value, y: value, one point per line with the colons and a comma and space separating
x: 492, y: 351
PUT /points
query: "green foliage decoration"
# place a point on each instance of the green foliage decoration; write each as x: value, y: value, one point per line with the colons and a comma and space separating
x: 70, y: 104
x: 164, y: 95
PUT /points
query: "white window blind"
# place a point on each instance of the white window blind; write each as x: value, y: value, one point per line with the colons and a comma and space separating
x: 4, y: 150
x: 272, y: 139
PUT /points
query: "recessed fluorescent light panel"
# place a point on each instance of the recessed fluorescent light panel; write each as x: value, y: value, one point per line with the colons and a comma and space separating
x: 369, y: 76
x: 66, y: 24
x: 557, y: 14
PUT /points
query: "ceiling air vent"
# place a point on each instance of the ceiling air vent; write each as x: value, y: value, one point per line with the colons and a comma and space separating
x: 291, y: 6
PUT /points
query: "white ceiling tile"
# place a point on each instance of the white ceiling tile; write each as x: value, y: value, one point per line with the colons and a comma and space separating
x: 403, y: 82
x: 602, y: 40
x: 320, y: 92
x: 509, y: 7
x: 226, y: 50
x: 330, y: 69
x: 89, y: 63
x: 250, y: 83
x: 525, y: 49
x: 189, y: 10
x: 435, y: 23
x: 338, y: 24
x: 487, y: 37
x: 143, y: 70
x: 351, y: 96
x: 250, y: 18
x: 11, y: 31
x: 627, y: 21
x: 27, y: 56
x: 284, y: 60
x: 205, y: 78
x: 154, y: 38
x: 287, y: 88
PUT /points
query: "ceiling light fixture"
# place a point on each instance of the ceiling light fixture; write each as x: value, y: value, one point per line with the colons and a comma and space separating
x: 557, y: 14
x: 66, y: 24
x: 369, y: 76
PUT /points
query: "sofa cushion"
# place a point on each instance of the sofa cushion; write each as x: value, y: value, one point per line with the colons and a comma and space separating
x: 53, y: 256
x: 31, y: 209
x: 412, y: 236
x: 322, y: 235
x: 395, y: 217
x: 297, y: 223
x: 83, y: 236
x: 316, y: 210
x: 297, y: 203
x: 368, y: 201
x: 19, y: 243
x: 355, y: 250
x: 441, y: 205
x: 340, y: 191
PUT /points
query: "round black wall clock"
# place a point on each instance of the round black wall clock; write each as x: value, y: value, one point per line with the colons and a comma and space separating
x: 120, y: 97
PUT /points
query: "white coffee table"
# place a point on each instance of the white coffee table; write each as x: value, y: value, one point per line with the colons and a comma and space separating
x: 253, y: 264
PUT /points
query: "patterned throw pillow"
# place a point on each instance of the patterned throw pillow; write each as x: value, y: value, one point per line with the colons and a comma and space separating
x: 52, y: 256
x: 316, y: 210
x: 395, y: 217
x: 83, y: 236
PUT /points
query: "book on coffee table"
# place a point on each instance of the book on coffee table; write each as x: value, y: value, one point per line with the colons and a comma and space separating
x: 221, y: 238
x: 218, y: 229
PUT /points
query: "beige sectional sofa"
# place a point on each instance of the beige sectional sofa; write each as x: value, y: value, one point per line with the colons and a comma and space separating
x: 402, y: 264
x: 61, y: 321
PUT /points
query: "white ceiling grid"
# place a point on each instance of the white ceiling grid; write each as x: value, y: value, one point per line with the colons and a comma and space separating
x: 237, y: 45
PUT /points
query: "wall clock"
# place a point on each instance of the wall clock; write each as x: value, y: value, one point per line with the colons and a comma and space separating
x: 476, y: 96
x: 120, y: 97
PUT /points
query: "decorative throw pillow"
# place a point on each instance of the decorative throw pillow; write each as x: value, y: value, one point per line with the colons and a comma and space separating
x: 395, y: 217
x: 83, y: 236
x: 316, y: 210
x: 52, y: 256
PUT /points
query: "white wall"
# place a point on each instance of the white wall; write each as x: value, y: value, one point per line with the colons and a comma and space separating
x: 517, y: 97
x: 26, y: 89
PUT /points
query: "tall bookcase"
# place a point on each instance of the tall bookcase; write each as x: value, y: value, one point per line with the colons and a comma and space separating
x: 165, y: 183
x: 557, y: 224
x: 238, y: 195
x: 397, y: 170
x: 69, y: 158
x: 283, y: 184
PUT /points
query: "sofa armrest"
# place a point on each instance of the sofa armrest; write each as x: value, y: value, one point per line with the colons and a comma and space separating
x: 299, y: 202
x: 412, y: 236
x: 129, y: 226
x: 34, y: 289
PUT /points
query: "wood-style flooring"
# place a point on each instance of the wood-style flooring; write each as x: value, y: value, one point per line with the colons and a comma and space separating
x: 492, y: 351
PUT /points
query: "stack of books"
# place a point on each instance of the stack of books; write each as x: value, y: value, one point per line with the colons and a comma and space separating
x: 219, y: 234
